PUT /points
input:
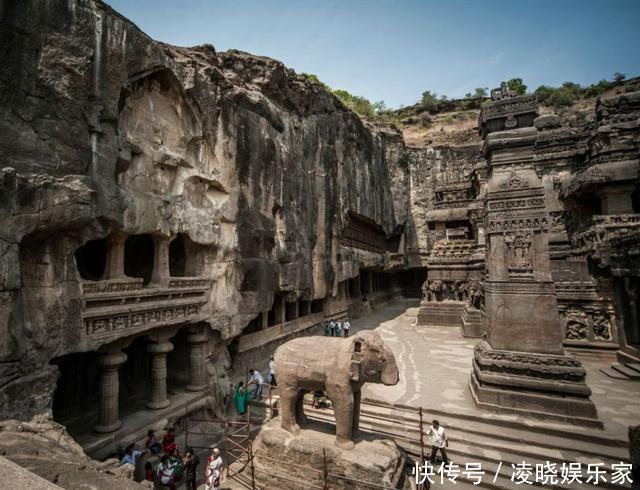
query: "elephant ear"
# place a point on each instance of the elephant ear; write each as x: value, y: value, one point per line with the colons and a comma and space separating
x: 356, y: 358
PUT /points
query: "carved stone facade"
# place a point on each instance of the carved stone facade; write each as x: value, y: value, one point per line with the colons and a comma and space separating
x: 587, y: 204
x: 521, y: 365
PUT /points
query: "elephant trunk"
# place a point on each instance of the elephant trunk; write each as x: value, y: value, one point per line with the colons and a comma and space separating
x: 389, y: 374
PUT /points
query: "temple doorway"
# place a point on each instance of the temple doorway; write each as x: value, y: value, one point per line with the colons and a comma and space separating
x: 139, y: 252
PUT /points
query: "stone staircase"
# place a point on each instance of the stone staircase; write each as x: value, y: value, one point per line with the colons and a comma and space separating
x: 472, y: 322
x: 627, y: 371
x: 443, y: 313
x: 496, y: 443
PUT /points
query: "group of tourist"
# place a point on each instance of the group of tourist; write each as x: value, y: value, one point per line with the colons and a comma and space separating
x: 242, y: 395
x: 173, y: 469
x: 337, y: 328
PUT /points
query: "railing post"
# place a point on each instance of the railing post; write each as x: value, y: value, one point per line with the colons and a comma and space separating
x: 226, y: 444
x: 421, y: 436
x: 325, y: 471
x: 421, y: 485
x: 253, y: 475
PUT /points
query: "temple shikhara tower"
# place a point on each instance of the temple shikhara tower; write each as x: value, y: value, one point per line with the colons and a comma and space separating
x: 521, y: 365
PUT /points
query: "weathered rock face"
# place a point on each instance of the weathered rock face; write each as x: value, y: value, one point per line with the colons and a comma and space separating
x: 104, y: 130
x: 45, y: 448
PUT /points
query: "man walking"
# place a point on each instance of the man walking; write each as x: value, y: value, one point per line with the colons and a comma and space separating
x: 438, y: 441
x: 346, y: 327
x: 272, y: 373
x: 256, y: 379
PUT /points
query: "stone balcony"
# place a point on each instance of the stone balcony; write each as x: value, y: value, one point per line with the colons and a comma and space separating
x: 117, y: 308
x: 605, y: 228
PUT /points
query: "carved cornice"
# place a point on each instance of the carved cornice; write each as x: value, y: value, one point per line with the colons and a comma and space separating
x: 509, y: 107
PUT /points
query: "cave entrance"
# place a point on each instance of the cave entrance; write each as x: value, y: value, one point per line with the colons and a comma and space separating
x: 177, y: 257
x: 178, y: 363
x: 291, y: 311
x: 317, y: 306
x: 253, y: 326
x: 139, y: 251
x: 76, y: 397
x: 135, y: 374
x: 91, y: 259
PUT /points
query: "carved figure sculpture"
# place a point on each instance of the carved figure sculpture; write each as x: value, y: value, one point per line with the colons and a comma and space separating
x: 337, y: 366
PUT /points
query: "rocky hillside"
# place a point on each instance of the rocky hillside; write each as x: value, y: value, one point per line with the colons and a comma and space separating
x: 455, y: 121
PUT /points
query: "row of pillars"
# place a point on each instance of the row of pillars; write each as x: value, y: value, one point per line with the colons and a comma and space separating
x: 369, y: 282
x: 109, y: 413
x: 114, y: 267
x: 285, y: 311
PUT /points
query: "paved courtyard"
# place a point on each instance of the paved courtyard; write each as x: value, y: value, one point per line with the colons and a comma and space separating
x: 435, y: 363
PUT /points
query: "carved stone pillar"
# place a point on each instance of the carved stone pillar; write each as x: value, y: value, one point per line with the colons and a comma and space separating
x: 158, y: 351
x: 197, y: 372
x: 114, y: 267
x: 521, y: 365
x: 160, y: 275
x: 109, y: 418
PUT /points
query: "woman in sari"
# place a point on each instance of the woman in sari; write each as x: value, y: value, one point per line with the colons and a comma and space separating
x: 240, y: 398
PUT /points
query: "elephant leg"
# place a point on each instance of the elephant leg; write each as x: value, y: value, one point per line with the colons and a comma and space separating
x: 288, y: 400
x: 342, y: 401
x: 301, y: 418
x: 356, y: 412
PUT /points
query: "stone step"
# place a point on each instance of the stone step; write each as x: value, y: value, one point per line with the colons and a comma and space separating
x: 488, y: 452
x: 633, y: 365
x: 488, y: 435
x: 612, y: 373
x: 627, y: 371
x: 459, y: 453
x: 493, y: 421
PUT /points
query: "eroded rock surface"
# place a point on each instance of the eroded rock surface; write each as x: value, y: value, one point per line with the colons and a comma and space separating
x: 105, y: 131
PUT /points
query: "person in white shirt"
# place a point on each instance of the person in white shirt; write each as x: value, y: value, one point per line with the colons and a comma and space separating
x: 438, y: 441
x: 256, y: 379
x: 213, y: 473
x: 346, y: 327
x: 272, y: 373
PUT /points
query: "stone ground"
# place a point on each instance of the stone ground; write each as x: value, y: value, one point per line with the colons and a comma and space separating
x: 435, y: 363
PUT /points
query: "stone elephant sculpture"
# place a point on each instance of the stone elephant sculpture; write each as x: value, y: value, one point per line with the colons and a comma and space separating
x: 338, y: 366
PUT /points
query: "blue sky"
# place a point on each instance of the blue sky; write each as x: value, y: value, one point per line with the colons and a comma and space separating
x: 393, y: 50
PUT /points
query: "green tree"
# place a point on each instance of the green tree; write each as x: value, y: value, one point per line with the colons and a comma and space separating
x: 618, y: 77
x: 481, y: 92
x: 562, y: 96
x: 597, y: 89
x: 379, y: 106
x: 543, y: 92
x: 315, y: 79
x: 573, y: 87
x: 517, y: 85
x: 430, y: 101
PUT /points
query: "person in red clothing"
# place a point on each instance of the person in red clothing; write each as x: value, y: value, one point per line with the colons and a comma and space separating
x: 169, y: 441
x: 148, y: 471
